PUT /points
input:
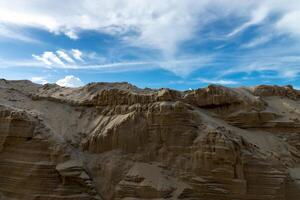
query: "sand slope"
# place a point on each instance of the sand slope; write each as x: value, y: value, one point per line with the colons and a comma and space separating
x: 116, y: 141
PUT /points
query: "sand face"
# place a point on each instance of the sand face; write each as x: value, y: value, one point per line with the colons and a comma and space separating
x: 116, y: 141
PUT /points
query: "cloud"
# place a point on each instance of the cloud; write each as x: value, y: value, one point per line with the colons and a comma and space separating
x: 60, y: 59
x: 72, y: 34
x: 289, y: 23
x: 257, y: 16
x: 281, y: 60
x: 65, y: 56
x: 7, y: 32
x: 219, y: 82
x: 257, y: 41
x: 77, y: 54
x: 165, y: 26
x: 180, y: 67
x: 20, y: 63
x: 184, y: 67
x: 49, y: 58
x: 39, y: 80
x: 70, y: 81
x: 149, y: 23
x: 42, y: 59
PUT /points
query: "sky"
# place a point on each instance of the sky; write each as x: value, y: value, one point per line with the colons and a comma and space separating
x: 179, y: 44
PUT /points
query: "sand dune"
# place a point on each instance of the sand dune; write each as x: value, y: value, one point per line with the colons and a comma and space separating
x: 116, y: 141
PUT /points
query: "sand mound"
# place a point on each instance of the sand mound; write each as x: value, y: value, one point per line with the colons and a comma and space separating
x: 117, y: 141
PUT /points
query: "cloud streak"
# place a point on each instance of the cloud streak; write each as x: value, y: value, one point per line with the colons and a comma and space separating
x: 218, y: 82
x: 226, y: 37
x: 60, y: 58
x: 77, y: 54
x: 9, y: 33
x: 156, y: 24
x: 75, y: 59
x: 65, y: 56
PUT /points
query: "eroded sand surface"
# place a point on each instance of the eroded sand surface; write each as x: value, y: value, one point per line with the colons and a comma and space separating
x: 116, y: 141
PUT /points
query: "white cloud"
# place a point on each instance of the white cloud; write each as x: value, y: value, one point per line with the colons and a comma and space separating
x: 39, y: 80
x: 62, y: 58
x: 20, y: 63
x: 70, y: 81
x: 290, y: 73
x: 219, y: 82
x: 49, y: 58
x: 77, y: 54
x: 180, y: 67
x: 157, y: 24
x: 257, y: 41
x: 42, y: 59
x: 71, y: 34
x: 184, y: 67
x: 277, y: 60
x: 257, y: 17
x: 289, y: 23
x: 7, y: 32
x: 65, y: 56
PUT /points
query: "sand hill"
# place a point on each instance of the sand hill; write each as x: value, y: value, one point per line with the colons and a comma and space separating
x: 114, y: 141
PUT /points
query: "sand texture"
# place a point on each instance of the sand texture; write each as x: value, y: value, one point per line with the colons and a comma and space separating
x: 114, y: 141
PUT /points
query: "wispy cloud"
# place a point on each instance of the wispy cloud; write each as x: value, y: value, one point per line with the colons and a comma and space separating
x: 59, y: 59
x: 257, y: 41
x: 239, y: 30
x: 156, y: 24
x: 154, y: 21
x: 10, y: 33
x: 180, y: 67
x: 216, y: 81
x: 289, y: 23
x: 77, y: 54
x: 4, y: 63
x: 184, y: 67
x: 62, y: 54
x: 283, y: 64
x: 49, y: 58
x: 257, y: 16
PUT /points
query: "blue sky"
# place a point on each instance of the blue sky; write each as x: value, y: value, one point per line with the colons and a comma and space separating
x: 179, y: 44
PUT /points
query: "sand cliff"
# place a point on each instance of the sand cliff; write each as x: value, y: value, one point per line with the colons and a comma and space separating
x: 116, y: 141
